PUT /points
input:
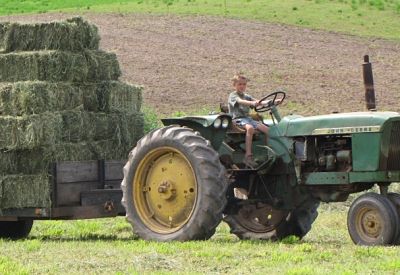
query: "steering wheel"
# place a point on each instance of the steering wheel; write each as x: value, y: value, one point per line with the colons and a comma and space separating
x: 272, y: 101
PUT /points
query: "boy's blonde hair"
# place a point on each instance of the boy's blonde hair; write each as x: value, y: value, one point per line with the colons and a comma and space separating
x: 239, y: 76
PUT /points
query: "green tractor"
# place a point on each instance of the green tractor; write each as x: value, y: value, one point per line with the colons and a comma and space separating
x: 183, y: 179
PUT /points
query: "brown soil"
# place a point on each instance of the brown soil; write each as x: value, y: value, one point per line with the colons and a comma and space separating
x: 185, y: 63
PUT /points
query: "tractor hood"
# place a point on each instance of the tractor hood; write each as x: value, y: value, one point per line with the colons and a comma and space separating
x: 335, y: 123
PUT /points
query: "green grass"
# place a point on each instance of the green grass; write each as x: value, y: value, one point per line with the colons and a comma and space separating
x: 40, y: 6
x: 151, y: 119
x: 379, y: 18
x: 106, y: 246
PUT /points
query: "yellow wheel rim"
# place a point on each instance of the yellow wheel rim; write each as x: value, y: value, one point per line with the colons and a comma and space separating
x: 165, y: 190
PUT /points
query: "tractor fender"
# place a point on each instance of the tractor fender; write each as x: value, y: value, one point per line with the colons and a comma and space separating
x: 210, y: 127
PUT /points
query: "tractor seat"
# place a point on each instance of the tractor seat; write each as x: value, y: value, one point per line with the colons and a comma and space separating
x: 224, y: 108
x: 236, y: 129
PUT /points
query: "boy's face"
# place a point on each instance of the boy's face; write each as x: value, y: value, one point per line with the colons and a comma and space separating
x: 240, y: 85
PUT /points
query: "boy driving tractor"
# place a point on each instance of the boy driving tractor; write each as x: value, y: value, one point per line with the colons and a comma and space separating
x: 239, y: 104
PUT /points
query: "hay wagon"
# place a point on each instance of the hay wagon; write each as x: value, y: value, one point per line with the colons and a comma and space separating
x: 77, y: 190
x: 63, y: 111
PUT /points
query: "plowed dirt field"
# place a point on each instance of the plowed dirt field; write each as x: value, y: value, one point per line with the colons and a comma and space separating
x: 185, y: 63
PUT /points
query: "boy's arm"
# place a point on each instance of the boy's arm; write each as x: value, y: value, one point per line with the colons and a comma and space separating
x: 248, y: 101
x: 251, y: 103
x: 267, y: 102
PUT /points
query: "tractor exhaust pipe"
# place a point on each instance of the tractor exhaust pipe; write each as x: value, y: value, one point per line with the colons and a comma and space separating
x: 369, y: 84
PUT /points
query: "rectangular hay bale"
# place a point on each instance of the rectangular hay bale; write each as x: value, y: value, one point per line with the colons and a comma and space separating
x: 71, y: 35
x: 88, y: 126
x: 55, y: 66
x: 35, y: 97
x: 3, y: 30
x: 48, y: 129
x: 29, y: 132
x: 19, y: 191
x: 39, y: 160
x: 114, y: 96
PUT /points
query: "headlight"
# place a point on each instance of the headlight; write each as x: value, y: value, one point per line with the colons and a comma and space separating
x: 225, y: 123
x: 217, y: 123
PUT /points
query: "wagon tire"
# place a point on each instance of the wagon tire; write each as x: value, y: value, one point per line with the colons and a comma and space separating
x: 15, y: 229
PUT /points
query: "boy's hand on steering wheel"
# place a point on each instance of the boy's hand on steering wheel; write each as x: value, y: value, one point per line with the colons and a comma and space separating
x: 269, y: 101
x: 263, y: 103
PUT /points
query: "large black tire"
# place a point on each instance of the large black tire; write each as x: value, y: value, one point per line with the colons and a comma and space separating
x: 373, y: 220
x: 210, y: 189
x: 395, y: 199
x: 15, y: 229
x: 291, y: 223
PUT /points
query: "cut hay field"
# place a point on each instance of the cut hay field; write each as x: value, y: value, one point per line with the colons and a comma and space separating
x: 107, y: 247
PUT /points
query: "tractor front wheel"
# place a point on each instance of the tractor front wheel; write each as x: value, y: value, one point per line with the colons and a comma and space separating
x: 373, y: 220
x: 395, y: 199
x: 264, y: 222
x: 174, y: 186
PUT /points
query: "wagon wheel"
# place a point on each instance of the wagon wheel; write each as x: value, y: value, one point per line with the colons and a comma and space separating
x: 174, y: 186
x: 264, y: 222
x: 15, y: 229
x: 373, y: 220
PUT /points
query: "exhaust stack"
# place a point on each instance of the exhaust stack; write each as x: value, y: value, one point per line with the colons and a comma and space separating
x: 369, y: 84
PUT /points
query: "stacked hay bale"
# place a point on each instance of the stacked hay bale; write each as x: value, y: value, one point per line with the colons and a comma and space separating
x: 60, y: 99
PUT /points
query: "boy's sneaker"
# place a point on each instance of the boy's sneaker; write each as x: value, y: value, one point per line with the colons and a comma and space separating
x: 240, y: 193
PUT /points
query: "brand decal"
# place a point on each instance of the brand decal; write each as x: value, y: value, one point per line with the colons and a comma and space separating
x: 347, y: 130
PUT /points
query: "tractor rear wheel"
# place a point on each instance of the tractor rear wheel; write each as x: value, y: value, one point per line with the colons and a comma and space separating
x: 373, y: 220
x: 264, y: 222
x: 174, y: 186
x: 15, y: 229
